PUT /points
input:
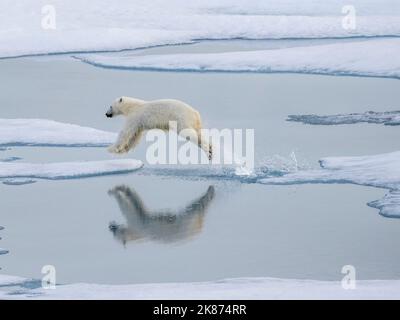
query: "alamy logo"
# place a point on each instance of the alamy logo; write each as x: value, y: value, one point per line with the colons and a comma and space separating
x: 49, y: 278
x: 48, y: 17
x: 226, y: 146
x: 349, y: 280
x: 349, y: 21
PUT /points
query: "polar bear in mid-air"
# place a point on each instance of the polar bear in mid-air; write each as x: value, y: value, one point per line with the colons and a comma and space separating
x: 145, y: 115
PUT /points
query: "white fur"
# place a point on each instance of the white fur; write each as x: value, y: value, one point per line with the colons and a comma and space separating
x: 145, y: 115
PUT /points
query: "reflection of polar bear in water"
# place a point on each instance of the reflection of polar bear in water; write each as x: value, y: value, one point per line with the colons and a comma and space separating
x: 165, y: 226
x: 145, y: 115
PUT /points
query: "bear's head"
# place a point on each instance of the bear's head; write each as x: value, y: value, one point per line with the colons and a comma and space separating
x: 118, y: 107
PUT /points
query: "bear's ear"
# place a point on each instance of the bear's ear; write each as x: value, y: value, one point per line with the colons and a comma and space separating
x: 120, y: 100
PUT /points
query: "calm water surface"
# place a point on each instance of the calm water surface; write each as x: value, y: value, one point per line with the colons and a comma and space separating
x: 106, y: 230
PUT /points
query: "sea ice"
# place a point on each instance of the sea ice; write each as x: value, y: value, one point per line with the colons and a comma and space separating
x: 68, y: 170
x: 364, y: 58
x: 105, y: 25
x: 389, y: 205
x: 41, y: 132
x: 233, y: 289
x: 381, y: 171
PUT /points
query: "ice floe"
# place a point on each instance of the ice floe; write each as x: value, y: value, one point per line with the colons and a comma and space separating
x: 68, y: 170
x: 381, y: 171
x: 389, y: 118
x: 363, y: 58
x: 137, y: 24
x: 41, y: 132
x: 389, y: 205
x: 239, y: 288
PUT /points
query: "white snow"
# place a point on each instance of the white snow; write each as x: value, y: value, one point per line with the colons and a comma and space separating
x: 67, y: 170
x: 240, y: 288
x: 389, y: 118
x: 98, y: 25
x: 41, y: 132
x: 366, y: 58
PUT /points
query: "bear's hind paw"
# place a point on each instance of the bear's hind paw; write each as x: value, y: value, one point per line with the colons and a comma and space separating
x: 118, y: 149
x: 112, y: 149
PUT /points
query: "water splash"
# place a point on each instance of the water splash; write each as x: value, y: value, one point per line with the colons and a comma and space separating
x: 294, y: 158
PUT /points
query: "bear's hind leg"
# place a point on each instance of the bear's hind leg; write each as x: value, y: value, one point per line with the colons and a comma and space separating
x: 205, y: 145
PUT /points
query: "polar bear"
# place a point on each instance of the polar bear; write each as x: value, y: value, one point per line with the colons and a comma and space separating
x: 144, y: 115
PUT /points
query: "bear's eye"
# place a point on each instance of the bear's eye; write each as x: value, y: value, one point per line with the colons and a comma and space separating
x: 120, y: 100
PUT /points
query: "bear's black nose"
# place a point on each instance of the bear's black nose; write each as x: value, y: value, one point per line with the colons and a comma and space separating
x: 108, y: 115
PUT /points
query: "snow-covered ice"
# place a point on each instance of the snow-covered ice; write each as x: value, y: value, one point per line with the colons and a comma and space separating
x: 363, y: 58
x: 381, y: 171
x: 389, y: 205
x: 106, y: 25
x: 68, y: 170
x: 239, y: 288
x: 389, y: 118
x: 41, y: 132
